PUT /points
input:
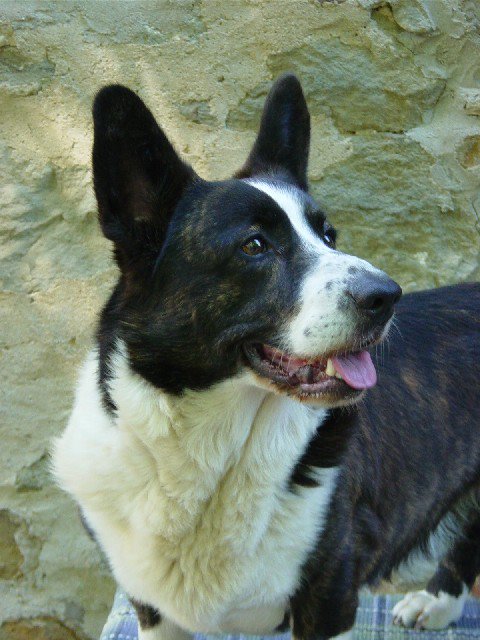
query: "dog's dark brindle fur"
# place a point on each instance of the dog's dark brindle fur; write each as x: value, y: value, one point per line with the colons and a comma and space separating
x: 410, y: 453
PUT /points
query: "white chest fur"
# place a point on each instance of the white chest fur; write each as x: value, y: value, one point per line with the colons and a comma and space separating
x: 189, y: 497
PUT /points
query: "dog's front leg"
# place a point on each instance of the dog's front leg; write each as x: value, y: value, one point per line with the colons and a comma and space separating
x: 330, y: 620
x: 153, y: 626
x: 325, y: 606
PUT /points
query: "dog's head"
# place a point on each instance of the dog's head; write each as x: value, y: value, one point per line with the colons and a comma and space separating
x: 233, y: 278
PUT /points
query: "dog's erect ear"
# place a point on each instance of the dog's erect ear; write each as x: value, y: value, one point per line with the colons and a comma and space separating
x: 283, y: 140
x: 137, y: 174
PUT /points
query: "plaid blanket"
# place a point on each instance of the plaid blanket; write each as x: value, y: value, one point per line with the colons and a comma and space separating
x: 374, y: 622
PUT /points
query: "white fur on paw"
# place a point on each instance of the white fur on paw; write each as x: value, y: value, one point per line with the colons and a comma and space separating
x: 424, y: 610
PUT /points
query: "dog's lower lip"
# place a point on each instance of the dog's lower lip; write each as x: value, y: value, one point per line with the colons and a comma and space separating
x: 294, y: 374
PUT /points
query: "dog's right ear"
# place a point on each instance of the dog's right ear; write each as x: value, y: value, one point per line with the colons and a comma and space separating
x: 138, y: 176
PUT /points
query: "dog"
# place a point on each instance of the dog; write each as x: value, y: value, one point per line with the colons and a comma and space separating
x: 228, y: 446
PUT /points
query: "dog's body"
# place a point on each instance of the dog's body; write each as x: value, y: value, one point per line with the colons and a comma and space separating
x: 228, y: 486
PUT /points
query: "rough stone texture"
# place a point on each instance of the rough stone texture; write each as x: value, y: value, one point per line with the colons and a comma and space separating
x: 11, y: 558
x: 38, y: 628
x: 394, y: 90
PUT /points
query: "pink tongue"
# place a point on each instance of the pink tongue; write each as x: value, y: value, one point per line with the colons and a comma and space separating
x: 356, y: 369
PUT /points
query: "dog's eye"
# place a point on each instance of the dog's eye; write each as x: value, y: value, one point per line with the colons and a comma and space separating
x: 255, y: 246
x: 329, y: 237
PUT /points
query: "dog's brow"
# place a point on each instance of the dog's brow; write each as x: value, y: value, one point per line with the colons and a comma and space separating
x: 292, y: 202
x: 316, y: 214
x: 267, y: 213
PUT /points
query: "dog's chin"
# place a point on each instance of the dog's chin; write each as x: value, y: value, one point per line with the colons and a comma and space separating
x: 313, y: 381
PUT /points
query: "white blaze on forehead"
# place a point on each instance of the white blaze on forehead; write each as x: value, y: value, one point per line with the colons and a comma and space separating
x: 322, y: 323
x: 289, y: 199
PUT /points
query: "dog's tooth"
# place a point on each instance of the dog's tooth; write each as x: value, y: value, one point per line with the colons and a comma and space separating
x: 337, y: 375
x: 330, y: 370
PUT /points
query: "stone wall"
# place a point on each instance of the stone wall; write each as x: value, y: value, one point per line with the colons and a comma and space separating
x: 394, y: 90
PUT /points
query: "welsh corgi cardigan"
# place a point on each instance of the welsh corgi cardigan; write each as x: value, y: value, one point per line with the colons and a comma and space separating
x: 223, y: 447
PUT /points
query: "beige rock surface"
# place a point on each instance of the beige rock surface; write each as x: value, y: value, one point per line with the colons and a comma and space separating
x: 394, y: 90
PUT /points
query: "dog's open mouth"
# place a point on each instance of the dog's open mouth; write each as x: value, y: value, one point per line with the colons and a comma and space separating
x: 338, y: 374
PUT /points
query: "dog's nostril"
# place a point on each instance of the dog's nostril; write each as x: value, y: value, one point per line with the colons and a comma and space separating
x: 377, y: 303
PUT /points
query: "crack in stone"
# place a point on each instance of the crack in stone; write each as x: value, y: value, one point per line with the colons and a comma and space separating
x: 477, y: 218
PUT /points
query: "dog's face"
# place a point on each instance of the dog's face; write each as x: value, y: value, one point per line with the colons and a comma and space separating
x: 233, y: 278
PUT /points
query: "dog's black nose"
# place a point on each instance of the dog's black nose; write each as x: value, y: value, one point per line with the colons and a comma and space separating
x: 375, y: 296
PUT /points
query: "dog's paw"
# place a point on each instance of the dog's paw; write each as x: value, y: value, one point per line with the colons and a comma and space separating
x: 424, y: 610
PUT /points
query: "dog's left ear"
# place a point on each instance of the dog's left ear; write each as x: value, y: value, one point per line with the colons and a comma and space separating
x: 283, y: 139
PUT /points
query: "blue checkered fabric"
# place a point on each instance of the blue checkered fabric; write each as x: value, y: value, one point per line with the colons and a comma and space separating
x: 374, y: 622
